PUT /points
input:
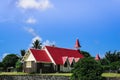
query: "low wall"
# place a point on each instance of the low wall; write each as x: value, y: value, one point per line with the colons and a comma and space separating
x: 33, y: 77
x: 40, y: 77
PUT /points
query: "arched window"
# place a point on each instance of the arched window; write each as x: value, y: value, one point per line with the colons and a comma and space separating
x: 66, y: 65
x: 72, y: 65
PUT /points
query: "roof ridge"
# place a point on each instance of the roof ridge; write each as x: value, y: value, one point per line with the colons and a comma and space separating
x: 61, y: 48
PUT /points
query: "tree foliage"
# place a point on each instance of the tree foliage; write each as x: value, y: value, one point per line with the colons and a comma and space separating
x: 37, y: 44
x: 115, y: 66
x: 10, y: 60
x: 112, y: 56
x: 85, y: 53
x: 18, y: 65
x: 111, y: 61
x: 22, y: 52
x: 87, y: 69
x: 1, y: 64
x: 104, y: 61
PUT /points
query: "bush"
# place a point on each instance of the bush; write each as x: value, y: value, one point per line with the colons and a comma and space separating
x: 87, y: 69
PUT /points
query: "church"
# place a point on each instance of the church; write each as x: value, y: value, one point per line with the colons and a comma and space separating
x: 51, y: 59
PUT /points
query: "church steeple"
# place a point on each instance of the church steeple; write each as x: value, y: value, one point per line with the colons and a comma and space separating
x: 77, y: 44
x: 97, y: 57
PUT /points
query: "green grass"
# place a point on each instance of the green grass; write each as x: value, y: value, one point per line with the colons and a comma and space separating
x: 21, y: 73
x: 111, y: 75
x: 57, y: 74
x: 13, y: 73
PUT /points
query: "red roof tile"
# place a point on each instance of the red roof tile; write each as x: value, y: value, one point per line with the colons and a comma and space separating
x: 58, y: 53
x: 40, y: 55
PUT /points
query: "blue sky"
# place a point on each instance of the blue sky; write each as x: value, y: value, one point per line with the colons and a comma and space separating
x: 95, y: 22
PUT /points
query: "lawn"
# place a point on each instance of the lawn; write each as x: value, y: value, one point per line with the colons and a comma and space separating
x: 111, y: 75
x: 57, y: 74
x: 13, y: 73
x: 21, y: 73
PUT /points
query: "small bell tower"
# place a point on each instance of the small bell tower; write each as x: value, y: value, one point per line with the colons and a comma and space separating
x: 77, y: 44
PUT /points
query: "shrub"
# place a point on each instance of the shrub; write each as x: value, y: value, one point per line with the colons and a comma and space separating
x: 87, y: 69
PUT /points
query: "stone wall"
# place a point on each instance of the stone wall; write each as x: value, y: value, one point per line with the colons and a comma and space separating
x: 41, y: 77
x: 33, y: 77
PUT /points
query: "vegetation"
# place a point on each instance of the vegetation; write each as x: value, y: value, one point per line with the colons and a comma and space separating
x: 22, y: 73
x: 10, y: 61
x: 18, y: 66
x: 87, y: 69
x: 13, y: 73
x: 112, y: 56
x: 111, y: 62
x: 1, y: 64
x: 37, y: 44
x: 85, y: 53
x: 57, y: 74
x: 22, y: 52
x: 110, y: 75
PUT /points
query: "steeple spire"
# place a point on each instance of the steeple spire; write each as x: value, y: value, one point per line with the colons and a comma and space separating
x: 77, y: 44
x: 97, y: 57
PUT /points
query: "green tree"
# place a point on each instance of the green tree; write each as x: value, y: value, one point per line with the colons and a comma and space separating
x: 87, y: 69
x: 104, y: 61
x: 18, y: 65
x: 85, y: 53
x: 22, y: 52
x: 37, y: 44
x: 112, y: 56
x: 118, y: 56
x: 1, y: 64
x: 115, y: 66
x: 10, y: 60
x: 105, y: 64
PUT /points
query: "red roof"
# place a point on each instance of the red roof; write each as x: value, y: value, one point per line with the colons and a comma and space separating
x: 40, y: 55
x: 58, y: 53
x: 97, y: 57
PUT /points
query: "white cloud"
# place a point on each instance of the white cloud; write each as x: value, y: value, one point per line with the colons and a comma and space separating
x: 31, y: 31
x: 48, y: 43
x: 31, y: 20
x: 36, y: 38
x: 34, y: 4
x: 34, y: 34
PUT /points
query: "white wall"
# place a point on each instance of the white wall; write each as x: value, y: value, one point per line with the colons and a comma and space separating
x: 65, y: 69
x: 30, y: 58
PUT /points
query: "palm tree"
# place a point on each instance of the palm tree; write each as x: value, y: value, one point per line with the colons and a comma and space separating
x: 22, y: 52
x: 37, y: 44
